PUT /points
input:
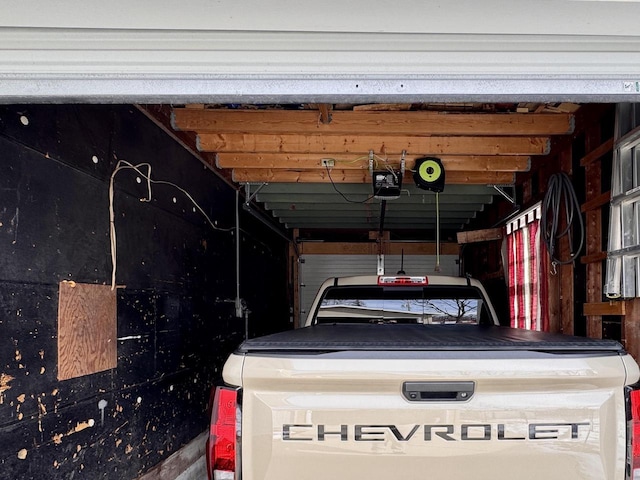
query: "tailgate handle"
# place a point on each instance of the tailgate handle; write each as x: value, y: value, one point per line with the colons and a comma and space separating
x: 438, y: 391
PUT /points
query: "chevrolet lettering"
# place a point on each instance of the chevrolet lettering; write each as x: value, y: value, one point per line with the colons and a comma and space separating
x: 450, y: 433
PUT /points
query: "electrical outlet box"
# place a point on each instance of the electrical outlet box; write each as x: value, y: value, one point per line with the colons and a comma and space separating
x: 328, y: 162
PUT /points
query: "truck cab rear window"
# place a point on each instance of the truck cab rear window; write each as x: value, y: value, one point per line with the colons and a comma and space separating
x: 415, y: 305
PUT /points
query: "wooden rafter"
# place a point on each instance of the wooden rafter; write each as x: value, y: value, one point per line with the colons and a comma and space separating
x: 455, y: 163
x: 383, y: 145
x: 359, y: 176
x: 370, y: 122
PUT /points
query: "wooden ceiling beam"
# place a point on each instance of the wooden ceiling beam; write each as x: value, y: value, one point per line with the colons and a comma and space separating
x: 305, y: 161
x: 256, y: 175
x: 371, y: 248
x: 370, y: 122
x: 381, y: 145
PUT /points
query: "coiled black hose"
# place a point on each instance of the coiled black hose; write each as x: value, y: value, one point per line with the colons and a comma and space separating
x: 561, y: 196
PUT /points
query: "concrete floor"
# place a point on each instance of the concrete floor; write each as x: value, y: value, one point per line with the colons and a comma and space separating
x: 197, y: 471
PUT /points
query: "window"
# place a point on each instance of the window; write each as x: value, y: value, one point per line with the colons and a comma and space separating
x: 439, y: 305
x: 623, y: 259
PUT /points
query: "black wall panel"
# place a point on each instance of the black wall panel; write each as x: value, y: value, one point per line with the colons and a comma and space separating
x: 176, y: 318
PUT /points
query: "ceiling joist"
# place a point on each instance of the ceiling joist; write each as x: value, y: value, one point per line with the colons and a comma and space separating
x: 256, y: 175
x: 393, y: 206
x: 310, y: 163
x: 372, y: 248
x: 370, y: 122
x: 461, y: 191
x: 372, y: 225
x: 381, y: 145
x: 318, y: 201
x: 459, y: 163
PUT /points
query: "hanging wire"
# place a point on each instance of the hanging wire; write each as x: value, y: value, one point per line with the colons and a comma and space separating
x: 342, y: 194
x: 561, y: 198
x: 437, y: 267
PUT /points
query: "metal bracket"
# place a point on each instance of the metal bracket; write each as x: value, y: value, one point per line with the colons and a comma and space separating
x: 510, y: 199
x: 380, y: 264
x: 403, y: 162
x: 250, y: 196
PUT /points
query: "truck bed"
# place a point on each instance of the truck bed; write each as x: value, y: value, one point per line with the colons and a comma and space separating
x: 346, y: 337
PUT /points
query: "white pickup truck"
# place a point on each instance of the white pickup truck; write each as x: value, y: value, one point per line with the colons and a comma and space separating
x: 403, y: 377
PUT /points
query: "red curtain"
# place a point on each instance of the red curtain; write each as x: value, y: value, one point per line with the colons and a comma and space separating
x: 528, y: 293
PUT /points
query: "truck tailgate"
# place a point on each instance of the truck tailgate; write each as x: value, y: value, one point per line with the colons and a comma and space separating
x: 343, y: 414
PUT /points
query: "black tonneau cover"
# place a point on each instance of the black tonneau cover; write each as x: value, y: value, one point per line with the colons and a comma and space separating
x: 343, y: 337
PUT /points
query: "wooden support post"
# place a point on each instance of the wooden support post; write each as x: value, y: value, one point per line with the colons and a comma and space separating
x: 593, y: 228
x: 567, y: 310
x: 631, y: 328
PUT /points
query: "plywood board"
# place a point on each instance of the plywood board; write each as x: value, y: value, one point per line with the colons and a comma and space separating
x: 87, y: 329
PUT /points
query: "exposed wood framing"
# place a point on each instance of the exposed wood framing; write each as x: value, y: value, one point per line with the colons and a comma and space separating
x: 593, y: 223
x: 565, y: 272
x: 596, y: 202
x: 597, y: 153
x: 256, y: 175
x: 370, y: 122
x: 381, y: 145
x: 325, y: 113
x: 631, y: 327
x: 593, y: 258
x: 480, y: 235
x: 161, y: 116
x: 461, y: 163
x: 371, y: 248
x: 604, y: 308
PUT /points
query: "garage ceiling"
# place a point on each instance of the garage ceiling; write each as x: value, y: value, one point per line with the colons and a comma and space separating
x: 308, y: 165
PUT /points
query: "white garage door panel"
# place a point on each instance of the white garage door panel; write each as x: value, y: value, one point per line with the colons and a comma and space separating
x: 317, y: 268
x: 335, y: 51
x: 570, y: 17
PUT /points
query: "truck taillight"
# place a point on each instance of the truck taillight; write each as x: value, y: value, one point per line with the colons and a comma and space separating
x: 633, y: 432
x: 223, y: 444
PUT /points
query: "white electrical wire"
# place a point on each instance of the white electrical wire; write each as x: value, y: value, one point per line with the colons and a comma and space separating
x: 437, y: 267
x: 124, y: 165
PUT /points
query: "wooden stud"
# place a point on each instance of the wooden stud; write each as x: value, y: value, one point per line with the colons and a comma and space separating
x: 631, y: 328
x: 381, y: 145
x: 370, y: 122
x: 593, y: 227
x: 565, y: 272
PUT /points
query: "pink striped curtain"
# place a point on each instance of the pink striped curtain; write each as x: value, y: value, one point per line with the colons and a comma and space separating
x: 528, y: 293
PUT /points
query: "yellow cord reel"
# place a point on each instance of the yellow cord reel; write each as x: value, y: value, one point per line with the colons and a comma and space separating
x: 429, y: 174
